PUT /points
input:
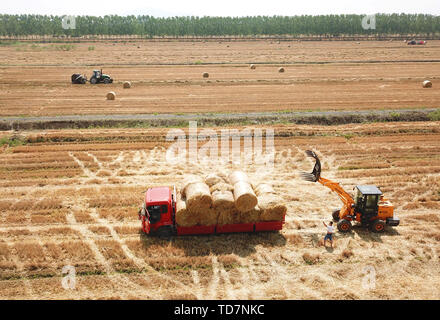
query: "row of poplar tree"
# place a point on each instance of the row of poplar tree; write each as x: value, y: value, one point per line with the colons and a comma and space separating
x: 323, y: 25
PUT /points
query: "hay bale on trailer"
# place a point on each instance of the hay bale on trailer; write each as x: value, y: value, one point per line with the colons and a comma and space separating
x: 221, y: 186
x: 244, y: 196
x: 271, y: 204
x: 251, y: 216
x: 184, y: 217
x: 198, y: 197
x: 192, y: 178
x: 212, y: 179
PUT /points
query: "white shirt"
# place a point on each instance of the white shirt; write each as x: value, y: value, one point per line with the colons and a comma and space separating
x: 329, y: 229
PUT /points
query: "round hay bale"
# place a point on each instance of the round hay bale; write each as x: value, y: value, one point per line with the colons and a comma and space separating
x: 223, y: 200
x: 237, y: 176
x: 221, y: 186
x: 111, y: 95
x: 252, y: 66
x: 198, y: 197
x: 281, y: 70
x: 273, y: 209
x: 228, y: 216
x: 184, y: 218
x: 205, y: 75
x: 212, y: 179
x: 208, y: 217
x: 192, y: 178
x: 244, y: 197
x: 127, y: 85
x: 250, y: 216
x: 427, y: 84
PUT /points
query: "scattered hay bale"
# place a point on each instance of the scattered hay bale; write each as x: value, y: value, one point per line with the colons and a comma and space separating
x: 221, y: 186
x: 184, y: 217
x: 281, y: 70
x: 127, y: 85
x: 252, y: 66
x: 427, y: 84
x: 213, y: 179
x: 198, y: 197
x: 244, y: 197
x: 205, y: 75
x: 111, y: 95
x: 310, y: 258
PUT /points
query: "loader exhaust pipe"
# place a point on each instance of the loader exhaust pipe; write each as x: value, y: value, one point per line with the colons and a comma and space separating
x: 316, y: 173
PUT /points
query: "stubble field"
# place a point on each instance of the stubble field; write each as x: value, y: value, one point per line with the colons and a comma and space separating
x: 70, y: 197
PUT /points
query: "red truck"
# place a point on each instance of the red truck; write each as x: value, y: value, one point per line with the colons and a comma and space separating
x: 158, y: 216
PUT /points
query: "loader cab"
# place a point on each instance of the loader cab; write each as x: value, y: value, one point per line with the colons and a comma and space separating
x: 367, y: 200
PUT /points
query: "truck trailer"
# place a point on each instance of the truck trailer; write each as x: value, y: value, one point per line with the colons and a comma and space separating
x: 158, y: 216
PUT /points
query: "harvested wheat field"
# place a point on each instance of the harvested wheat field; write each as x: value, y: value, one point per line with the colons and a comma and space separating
x: 167, y: 77
x: 70, y: 197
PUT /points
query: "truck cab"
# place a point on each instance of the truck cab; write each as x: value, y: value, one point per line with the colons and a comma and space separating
x: 158, y: 211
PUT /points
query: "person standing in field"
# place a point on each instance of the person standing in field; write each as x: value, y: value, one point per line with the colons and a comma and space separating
x: 329, y: 235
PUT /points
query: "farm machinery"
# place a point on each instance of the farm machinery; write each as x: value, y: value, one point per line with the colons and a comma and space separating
x: 415, y: 42
x: 158, y: 216
x: 97, y: 77
x: 369, y: 207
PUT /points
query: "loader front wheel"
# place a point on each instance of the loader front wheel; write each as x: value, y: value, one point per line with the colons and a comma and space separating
x: 335, y: 215
x: 344, y: 226
x: 377, y: 226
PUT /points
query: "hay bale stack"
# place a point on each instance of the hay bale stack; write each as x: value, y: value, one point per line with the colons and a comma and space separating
x: 252, y: 66
x: 271, y: 205
x: 198, y: 197
x: 111, y: 95
x: 281, y: 70
x: 205, y: 75
x: 127, y: 85
x: 427, y: 84
x: 184, y: 217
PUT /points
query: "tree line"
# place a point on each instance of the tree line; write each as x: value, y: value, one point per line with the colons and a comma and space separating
x: 149, y: 26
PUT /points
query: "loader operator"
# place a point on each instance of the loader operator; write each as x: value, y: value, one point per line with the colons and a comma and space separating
x: 329, y: 235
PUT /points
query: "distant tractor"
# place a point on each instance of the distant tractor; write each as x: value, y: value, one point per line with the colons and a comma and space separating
x: 78, y: 78
x: 415, y: 42
x: 368, y: 207
x: 99, y: 77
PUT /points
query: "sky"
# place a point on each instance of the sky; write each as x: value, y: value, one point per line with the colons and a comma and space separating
x: 165, y: 8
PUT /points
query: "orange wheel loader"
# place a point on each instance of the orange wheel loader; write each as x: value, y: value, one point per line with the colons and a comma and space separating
x: 369, y: 207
